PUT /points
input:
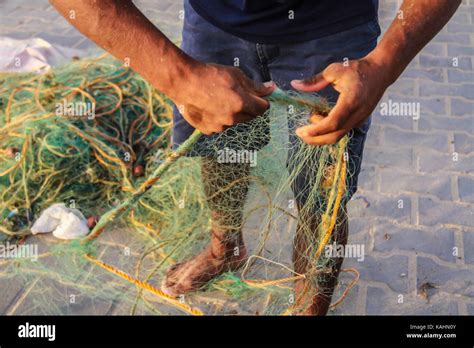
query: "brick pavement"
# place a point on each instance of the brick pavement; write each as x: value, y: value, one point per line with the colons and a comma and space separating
x: 413, y: 212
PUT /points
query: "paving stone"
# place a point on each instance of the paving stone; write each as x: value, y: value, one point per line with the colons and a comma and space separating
x: 460, y: 107
x: 470, y: 308
x: 468, y: 242
x: 438, y: 242
x: 462, y: 39
x: 434, y: 162
x: 404, y: 122
x: 460, y: 17
x: 374, y: 133
x: 348, y: 305
x: 431, y: 74
x: 53, y: 298
x: 429, y: 61
x: 358, y: 225
x: 461, y: 90
x: 398, y: 138
x: 368, y: 204
x: 66, y: 41
x: 435, y: 123
x: 7, y: 22
x: 460, y: 28
x: 366, y: 179
x: 466, y: 189
x: 11, y: 290
x: 380, y: 302
x: 459, y: 50
x: 438, y: 212
x: 385, y: 270
x: 435, y: 105
x: 463, y: 143
x: 459, y: 76
x: 394, y: 181
x: 89, y: 46
x: 20, y: 35
x: 385, y: 156
x: 403, y: 86
x: 435, y: 48
x: 453, y: 280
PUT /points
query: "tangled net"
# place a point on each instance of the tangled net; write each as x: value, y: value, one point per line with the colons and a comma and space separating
x: 119, y: 165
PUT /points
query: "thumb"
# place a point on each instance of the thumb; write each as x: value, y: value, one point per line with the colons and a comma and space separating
x: 264, y: 89
x: 312, y: 84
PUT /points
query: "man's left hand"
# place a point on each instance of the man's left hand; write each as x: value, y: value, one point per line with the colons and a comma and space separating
x: 361, y: 84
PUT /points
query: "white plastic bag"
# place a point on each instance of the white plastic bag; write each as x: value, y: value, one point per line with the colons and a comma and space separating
x: 64, y: 222
x: 32, y: 55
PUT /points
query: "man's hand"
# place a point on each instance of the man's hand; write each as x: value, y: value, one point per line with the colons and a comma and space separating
x: 363, y: 82
x: 214, y: 97
x: 211, y: 97
x: 360, y: 83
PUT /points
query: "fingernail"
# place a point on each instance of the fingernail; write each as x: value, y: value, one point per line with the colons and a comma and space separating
x: 300, y: 133
x: 297, y: 81
x: 269, y: 84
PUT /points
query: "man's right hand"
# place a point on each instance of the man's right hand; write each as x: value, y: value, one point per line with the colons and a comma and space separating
x: 214, y: 97
x: 211, y: 97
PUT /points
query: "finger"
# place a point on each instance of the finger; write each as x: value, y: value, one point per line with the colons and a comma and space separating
x: 337, y: 119
x: 241, y: 117
x: 256, y: 106
x: 326, y: 139
x: 195, y: 120
x: 204, y: 130
x: 314, y: 118
x: 312, y: 84
x: 264, y: 89
x: 306, y: 131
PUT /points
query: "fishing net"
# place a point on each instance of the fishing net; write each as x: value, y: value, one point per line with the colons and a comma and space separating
x: 158, y: 205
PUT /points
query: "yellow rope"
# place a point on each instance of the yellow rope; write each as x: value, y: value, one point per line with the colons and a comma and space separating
x: 20, y: 160
x: 332, y: 223
x: 264, y: 283
x: 146, y: 286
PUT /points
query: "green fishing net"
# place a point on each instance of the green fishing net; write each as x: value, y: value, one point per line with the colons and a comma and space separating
x: 158, y: 205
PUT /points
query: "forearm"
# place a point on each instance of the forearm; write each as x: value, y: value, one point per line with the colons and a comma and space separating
x: 121, y: 29
x: 415, y: 25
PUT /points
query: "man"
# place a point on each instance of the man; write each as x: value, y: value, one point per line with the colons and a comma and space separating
x: 325, y: 46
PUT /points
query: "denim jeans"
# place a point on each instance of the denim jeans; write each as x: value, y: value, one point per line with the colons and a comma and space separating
x: 280, y: 63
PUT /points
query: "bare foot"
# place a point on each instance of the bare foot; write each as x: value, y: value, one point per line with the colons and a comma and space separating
x: 193, y: 274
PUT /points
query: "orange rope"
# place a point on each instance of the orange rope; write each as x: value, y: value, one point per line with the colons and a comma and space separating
x: 349, y: 287
x: 146, y: 286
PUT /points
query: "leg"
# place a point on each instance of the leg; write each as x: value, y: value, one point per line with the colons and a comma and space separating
x: 314, y: 298
x: 287, y: 63
x: 224, y: 183
x: 226, y: 186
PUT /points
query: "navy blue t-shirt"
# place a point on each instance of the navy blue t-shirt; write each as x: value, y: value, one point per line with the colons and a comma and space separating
x: 277, y: 21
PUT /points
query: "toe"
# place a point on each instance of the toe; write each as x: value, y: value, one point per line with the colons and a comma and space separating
x: 168, y: 288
